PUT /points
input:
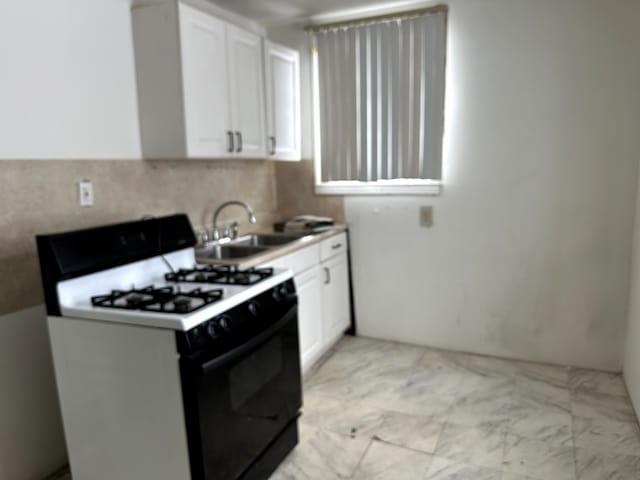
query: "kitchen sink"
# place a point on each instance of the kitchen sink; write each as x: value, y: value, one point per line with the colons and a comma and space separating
x: 244, y: 247
x: 265, y: 240
x: 229, y: 251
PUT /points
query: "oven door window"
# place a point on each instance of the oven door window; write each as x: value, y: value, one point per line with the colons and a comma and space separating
x: 237, y: 409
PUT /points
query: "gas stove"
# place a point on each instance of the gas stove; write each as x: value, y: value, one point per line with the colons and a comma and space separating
x: 197, y: 362
x: 163, y: 287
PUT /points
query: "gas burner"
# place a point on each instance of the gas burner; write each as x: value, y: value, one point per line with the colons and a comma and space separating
x: 166, y: 299
x: 221, y: 274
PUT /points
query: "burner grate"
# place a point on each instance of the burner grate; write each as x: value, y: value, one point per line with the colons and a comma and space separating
x: 165, y: 299
x: 220, y: 274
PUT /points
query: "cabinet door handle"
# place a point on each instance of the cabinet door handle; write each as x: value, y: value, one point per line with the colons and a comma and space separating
x: 327, y: 276
x: 273, y: 145
x: 336, y: 246
x: 239, y: 138
x: 230, y: 141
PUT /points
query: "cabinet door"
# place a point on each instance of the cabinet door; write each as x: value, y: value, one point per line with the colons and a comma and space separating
x: 309, y: 288
x: 246, y: 82
x: 337, y: 312
x: 282, y: 70
x: 205, y: 88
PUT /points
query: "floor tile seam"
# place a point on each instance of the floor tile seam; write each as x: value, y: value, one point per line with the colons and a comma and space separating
x: 325, y: 396
x: 529, y: 474
x: 376, y: 438
x: 593, y: 391
x: 602, y: 416
x: 594, y: 450
x: 404, y: 412
x: 552, y: 409
x: 364, y: 453
x: 548, y: 444
x: 437, y: 442
x: 502, y: 433
x: 533, y: 439
x: 598, y: 450
x: 503, y: 458
x: 575, y: 449
x: 509, y: 426
x: 606, y: 420
x: 497, y: 467
x: 534, y: 378
x: 338, y: 432
x: 476, y: 427
x: 467, y: 462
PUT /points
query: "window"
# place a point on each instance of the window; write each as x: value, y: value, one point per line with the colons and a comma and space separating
x: 379, y: 103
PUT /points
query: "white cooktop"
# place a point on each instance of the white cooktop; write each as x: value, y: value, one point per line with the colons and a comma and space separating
x: 75, y: 295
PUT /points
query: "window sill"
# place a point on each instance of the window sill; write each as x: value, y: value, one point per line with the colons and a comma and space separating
x: 363, y: 188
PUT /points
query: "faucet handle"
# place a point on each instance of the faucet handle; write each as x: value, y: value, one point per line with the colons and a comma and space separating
x: 235, y: 227
x: 225, y: 232
x: 203, y: 236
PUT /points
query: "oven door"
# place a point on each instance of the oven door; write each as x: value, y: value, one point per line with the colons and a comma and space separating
x: 237, y: 403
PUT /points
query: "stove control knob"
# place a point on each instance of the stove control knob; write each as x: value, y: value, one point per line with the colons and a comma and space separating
x: 254, y: 308
x: 276, y: 294
x: 225, y: 323
x: 211, y: 329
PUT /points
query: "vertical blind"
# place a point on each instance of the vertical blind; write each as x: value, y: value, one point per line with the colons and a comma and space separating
x: 381, y: 92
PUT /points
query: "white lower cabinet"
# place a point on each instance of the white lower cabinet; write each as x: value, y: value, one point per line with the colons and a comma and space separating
x: 321, y: 276
x: 335, y: 297
x: 309, y: 288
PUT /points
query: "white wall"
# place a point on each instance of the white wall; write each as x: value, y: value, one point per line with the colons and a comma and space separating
x: 530, y: 253
x: 67, y: 88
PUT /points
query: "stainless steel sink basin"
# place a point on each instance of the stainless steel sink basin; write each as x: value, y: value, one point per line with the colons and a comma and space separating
x: 244, y: 247
x: 228, y: 251
x: 265, y: 240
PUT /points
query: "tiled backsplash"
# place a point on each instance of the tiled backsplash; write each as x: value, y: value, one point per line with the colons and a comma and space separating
x: 294, y: 183
x: 40, y: 196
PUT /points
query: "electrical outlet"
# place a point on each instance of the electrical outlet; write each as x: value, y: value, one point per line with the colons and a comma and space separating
x: 426, y: 216
x: 85, y: 192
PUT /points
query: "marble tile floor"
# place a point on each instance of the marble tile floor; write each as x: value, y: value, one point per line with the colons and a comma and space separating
x: 377, y: 410
x: 381, y: 410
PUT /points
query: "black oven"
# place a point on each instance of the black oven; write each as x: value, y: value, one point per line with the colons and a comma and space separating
x: 242, y: 389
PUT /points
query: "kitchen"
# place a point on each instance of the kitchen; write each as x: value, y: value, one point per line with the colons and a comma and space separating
x: 531, y: 251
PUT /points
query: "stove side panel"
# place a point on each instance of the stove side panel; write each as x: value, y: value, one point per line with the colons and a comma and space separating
x: 121, y: 400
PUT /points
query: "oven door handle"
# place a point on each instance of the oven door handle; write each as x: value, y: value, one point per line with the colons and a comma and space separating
x: 259, y: 339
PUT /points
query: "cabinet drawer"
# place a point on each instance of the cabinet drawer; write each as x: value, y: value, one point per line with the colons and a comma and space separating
x: 298, y: 261
x: 333, y: 246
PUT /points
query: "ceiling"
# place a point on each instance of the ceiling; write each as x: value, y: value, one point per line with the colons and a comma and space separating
x: 274, y: 12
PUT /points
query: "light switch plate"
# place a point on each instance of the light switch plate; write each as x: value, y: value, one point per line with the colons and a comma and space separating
x: 426, y: 216
x: 85, y: 192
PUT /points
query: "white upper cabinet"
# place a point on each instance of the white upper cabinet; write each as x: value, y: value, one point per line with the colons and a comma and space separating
x: 200, y: 85
x: 246, y: 93
x: 282, y: 71
x: 205, y: 86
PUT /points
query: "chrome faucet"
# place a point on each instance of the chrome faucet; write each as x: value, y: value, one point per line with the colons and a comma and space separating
x: 216, y: 231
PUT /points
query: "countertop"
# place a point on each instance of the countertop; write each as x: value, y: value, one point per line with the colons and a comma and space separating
x: 275, y: 252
